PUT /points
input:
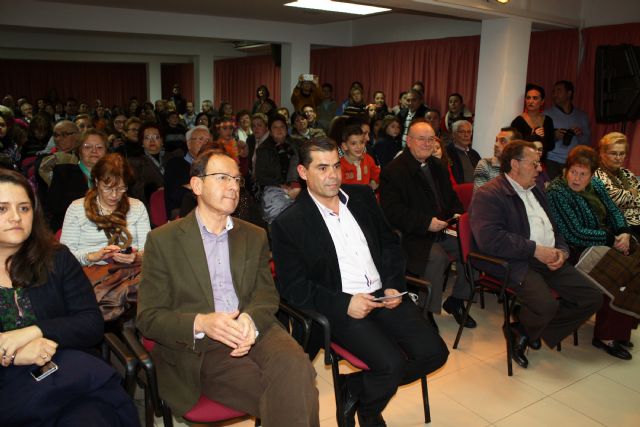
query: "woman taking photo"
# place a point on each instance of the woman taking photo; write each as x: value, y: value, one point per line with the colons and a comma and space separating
x: 533, y: 124
x: 106, y: 223
x: 621, y: 183
x: 586, y: 217
x: 49, y: 318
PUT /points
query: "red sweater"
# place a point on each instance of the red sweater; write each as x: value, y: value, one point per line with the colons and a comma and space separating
x: 363, y: 173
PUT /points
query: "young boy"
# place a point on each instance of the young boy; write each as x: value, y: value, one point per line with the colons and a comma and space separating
x: 357, y: 166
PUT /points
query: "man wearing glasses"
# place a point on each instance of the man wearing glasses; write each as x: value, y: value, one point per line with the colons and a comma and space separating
x: 464, y: 159
x: 209, y: 301
x: 510, y: 219
x: 417, y: 198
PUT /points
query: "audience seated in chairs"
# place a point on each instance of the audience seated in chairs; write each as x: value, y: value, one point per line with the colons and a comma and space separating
x: 208, y: 301
x: 510, y: 220
x: 341, y: 276
x: 586, y: 216
x: 49, y: 318
x: 71, y: 181
x: 488, y: 168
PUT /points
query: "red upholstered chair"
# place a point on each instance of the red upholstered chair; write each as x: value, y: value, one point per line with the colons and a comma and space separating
x: 58, y: 234
x: 204, y: 411
x: 465, y: 193
x: 334, y: 353
x: 490, y: 283
x: 158, y: 212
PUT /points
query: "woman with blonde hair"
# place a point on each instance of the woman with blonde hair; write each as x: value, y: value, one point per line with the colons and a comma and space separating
x: 620, y: 182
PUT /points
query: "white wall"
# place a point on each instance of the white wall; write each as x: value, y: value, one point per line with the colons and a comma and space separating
x: 610, y: 12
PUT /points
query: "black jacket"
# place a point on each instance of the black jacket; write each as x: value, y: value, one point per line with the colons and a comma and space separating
x: 456, y: 163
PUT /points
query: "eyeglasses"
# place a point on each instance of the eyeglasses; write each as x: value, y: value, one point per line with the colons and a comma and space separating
x: 534, y: 163
x: 112, y: 190
x: 465, y: 132
x: 226, y: 127
x: 121, y: 122
x: 152, y: 137
x: 225, y: 178
x: 63, y: 134
x: 133, y: 130
x: 620, y: 154
x: 203, y: 139
x: 578, y: 174
x: 90, y: 147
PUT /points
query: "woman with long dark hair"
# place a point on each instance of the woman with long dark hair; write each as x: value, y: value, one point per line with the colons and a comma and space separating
x: 49, y: 318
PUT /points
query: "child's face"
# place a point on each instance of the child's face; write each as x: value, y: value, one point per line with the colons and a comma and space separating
x: 354, y: 146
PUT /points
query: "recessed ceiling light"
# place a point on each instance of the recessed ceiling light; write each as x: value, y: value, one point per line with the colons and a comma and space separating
x: 337, y: 6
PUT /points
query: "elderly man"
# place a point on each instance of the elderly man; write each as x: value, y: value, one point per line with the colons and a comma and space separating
x: 176, y: 173
x: 209, y: 301
x: 417, y: 198
x: 510, y: 220
x: 489, y: 168
x: 66, y: 137
x: 463, y: 158
x: 335, y: 253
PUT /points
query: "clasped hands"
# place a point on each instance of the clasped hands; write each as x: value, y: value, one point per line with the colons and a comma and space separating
x: 26, y: 346
x: 622, y: 243
x: 553, y: 258
x: 112, y: 252
x: 362, y: 304
x: 235, y: 330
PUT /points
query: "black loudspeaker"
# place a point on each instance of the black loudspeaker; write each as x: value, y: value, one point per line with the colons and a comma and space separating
x: 617, y: 83
x: 276, y: 53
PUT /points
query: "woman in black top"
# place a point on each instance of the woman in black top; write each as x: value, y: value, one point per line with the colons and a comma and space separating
x: 533, y: 124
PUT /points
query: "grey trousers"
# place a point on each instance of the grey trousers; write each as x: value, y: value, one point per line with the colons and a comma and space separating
x: 439, y: 259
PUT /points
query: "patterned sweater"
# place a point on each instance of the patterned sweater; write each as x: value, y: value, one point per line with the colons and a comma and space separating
x: 576, y: 220
x: 622, y: 197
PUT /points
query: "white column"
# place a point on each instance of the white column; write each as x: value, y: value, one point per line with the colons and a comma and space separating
x: 502, y: 75
x: 154, y: 81
x: 203, y: 79
x: 295, y: 61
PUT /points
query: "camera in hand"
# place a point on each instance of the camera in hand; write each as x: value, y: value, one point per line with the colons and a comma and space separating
x: 568, y: 136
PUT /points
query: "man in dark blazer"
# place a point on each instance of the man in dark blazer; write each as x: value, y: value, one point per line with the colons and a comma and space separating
x: 524, y: 234
x: 463, y: 158
x: 208, y: 299
x: 334, y: 253
x: 417, y: 198
x: 416, y: 110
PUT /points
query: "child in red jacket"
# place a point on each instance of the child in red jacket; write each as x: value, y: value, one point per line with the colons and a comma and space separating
x: 357, y: 166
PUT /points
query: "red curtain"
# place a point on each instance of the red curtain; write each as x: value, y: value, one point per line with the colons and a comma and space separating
x: 585, y: 90
x: 237, y: 79
x: 444, y: 65
x: 553, y: 56
x: 113, y: 83
x: 182, y: 74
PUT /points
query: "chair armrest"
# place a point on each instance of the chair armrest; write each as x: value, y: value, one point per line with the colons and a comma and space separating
x: 418, y: 284
x: 303, y: 320
x: 322, y: 320
x: 126, y: 358
x: 499, y: 262
x: 144, y: 359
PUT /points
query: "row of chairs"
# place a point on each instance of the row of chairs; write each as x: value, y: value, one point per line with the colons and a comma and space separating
x: 139, y: 368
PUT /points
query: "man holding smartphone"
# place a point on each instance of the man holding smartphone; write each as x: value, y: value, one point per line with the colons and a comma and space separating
x: 350, y: 259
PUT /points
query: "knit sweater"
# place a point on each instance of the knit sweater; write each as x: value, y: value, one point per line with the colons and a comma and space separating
x: 576, y: 219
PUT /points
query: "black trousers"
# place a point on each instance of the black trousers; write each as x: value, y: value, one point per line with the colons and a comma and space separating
x: 399, y: 347
x: 544, y: 316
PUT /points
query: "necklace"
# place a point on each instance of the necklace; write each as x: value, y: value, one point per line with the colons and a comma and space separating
x: 101, y: 209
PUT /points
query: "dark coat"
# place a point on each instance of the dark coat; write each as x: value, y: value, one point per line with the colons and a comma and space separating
x: 305, y: 256
x: 456, y: 163
x: 500, y: 225
x: 409, y: 204
x: 402, y: 115
x: 67, y: 184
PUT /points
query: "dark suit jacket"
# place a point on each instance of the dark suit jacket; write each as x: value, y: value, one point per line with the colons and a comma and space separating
x: 68, y: 184
x: 306, y: 260
x: 456, y: 163
x: 402, y: 115
x: 176, y: 286
x: 409, y: 204
x: 500, y: 226
x: 176, y: 175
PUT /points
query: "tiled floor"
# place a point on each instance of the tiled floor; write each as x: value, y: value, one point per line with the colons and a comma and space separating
x: 579, y: 386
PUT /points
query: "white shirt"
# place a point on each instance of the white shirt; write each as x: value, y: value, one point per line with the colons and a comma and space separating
x: 357, y: 270
x: 541, y: 230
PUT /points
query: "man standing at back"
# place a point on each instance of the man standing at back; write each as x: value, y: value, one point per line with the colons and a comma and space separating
x: 334, y: 253
x: 209, y: 301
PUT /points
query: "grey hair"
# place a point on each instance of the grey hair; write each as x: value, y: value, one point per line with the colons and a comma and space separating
x: 192, y: 130
x: 457, y: 124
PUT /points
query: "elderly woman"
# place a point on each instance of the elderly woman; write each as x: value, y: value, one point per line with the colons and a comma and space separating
x: 621, y: 184
x: 71, y: 181
x: 106, y: 224
x: 586, y: 216
x: 533, y: 124
x: 149, y: 166
x: 49, y: 320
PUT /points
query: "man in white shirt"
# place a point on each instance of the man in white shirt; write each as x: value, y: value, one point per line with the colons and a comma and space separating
x: 335, y: 253
x: 510, y: 219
